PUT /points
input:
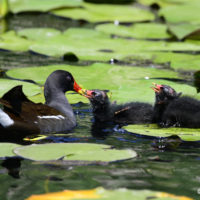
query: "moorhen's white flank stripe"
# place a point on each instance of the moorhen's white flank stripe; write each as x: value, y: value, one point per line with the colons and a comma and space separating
x: 5, y: 120
x: 51, y: 117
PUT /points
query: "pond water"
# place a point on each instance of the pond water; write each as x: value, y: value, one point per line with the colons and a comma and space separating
x: 159, y: 166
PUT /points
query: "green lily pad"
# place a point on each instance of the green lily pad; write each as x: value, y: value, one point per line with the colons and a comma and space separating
x: 106, y: 12
x: 183, y: 30
x: 28, y: 88
x: 176, y: 61
x: 17, y: 6
x: 3, y: 8
x: 187, y: 11
x: 125, y: 83
x: 6, y: 149
x: 11, y: 41
x: 139, y: 30
x: 100, y: 45
x: 74, y: 151
x: 187, y: 134
x: 163, y: 3
x: 38, y: 33
x: 103, y: 194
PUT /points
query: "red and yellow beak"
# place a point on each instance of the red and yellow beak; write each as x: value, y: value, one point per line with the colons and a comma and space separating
x: 157, y: 88
x: 81, y: 91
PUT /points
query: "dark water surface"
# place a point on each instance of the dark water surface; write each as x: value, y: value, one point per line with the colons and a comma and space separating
x: 159, y: 166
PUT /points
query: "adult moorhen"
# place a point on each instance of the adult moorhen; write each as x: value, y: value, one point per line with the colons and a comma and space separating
x: 128, y: 113
x: 20, y: 117
x: 171, y: 109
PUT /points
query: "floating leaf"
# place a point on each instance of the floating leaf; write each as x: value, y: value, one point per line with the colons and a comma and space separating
x: 28, y: 88
x: 6, y: 149
x: 17, y: 6
x: 176, y: 61
x: 106, y: 12
x: 139, y: 30
x: 101, y: 193
x: 74, y: 151
x: 187, y: 11
x: 39, y: 33
x: 182, y: 30
x: 125, y: 83
x: 11, y: 41
x: 187, y: 134
x: 3, y: 8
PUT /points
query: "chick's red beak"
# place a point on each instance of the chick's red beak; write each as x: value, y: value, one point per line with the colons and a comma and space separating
x: 157, y: 88
x: 81, y: 91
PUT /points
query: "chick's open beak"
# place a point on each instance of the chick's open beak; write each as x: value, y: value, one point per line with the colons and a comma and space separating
x: 81, y: 91
x: 156, y: 88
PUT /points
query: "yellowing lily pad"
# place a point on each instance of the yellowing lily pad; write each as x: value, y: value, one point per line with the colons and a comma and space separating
x: 106, y: 12
x: 103, y: 194
x: 74, y: 151
x: 6, y: 149
x: 187, y: 134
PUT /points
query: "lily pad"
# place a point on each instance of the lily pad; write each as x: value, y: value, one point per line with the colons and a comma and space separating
x: 139, y: 30
x: 187, y: 11
x: 74, y: 151
x: 38, y: 33
x: 187, y: 134
x: 3, y: 8
x: 100, y: 46
x: 103, y: 194
x: 6, y: 149
x: 183, y: 30
x: 176, y: 61
x: 28, y: 88
x: 125, y: 83
x: 106, y: 12
x: 17, y: 6
x: 11, y: 41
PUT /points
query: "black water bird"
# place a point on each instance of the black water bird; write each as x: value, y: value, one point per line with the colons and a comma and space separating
x: 128, y: 113
x: 20, y: 117
x: 172, y: 109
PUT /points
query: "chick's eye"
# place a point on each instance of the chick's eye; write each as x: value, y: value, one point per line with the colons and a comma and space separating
x: 94, y: 93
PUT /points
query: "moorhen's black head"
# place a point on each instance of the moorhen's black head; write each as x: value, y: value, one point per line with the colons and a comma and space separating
x: 164, y: 93
x: 61, y: 81
x: 98, y: 97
